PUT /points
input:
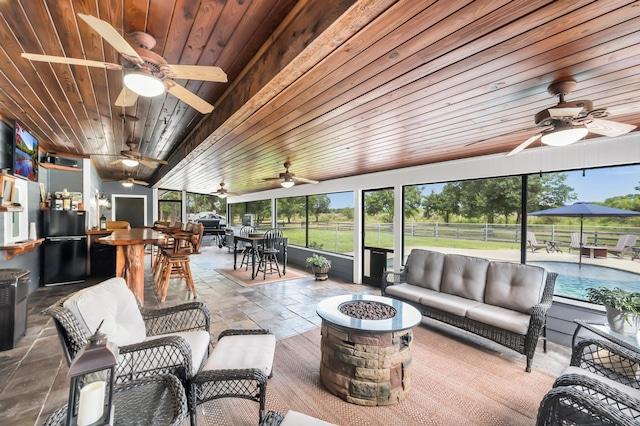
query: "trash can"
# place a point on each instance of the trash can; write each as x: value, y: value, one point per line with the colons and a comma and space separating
x: 14, y: 288
x: 375, y: 264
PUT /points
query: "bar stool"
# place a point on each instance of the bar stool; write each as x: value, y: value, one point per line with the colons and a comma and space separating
x: 269, y: 253
x: 247, y: 251
x: 175, y: 261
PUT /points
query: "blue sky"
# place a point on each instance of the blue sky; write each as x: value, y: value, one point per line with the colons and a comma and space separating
x: 597, y: 185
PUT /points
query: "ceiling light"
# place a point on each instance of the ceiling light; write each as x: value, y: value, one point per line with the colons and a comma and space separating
x: 565, y: 134
x: 127, y: 184
x: 129, y: 162
x: 144, y: 84
x: 287, y: 183
x: 222, y: 195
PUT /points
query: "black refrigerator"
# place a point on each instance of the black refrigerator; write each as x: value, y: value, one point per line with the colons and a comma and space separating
x: 65, y: 247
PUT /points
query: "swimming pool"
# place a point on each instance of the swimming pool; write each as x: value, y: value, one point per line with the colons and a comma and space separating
x: 572, y: 281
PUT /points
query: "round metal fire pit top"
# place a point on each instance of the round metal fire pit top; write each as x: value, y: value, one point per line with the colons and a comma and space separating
x: 406, y: 315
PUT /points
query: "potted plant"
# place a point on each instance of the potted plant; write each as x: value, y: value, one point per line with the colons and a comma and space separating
x: 320, y: 266
x: 623, y: 308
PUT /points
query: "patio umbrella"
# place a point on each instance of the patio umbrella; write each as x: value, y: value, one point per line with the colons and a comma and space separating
x: 583, y: 210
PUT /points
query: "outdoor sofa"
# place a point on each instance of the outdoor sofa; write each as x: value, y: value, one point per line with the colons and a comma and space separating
x: 502, y: 301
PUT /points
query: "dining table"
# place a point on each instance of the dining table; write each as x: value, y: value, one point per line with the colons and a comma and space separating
x: 255, y: 242
x: 130, y: 245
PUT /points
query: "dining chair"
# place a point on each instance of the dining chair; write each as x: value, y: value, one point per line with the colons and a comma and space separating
x: 247, y: 248
x: 269, y: 252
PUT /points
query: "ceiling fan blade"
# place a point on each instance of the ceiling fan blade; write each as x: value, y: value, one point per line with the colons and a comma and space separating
x: 188, y: 97
x: 609, y: 128
x: 271, y: 178
x: 623, y: 108
x: 112, y: 37
x: 303, y: 180
x: 155, y: 160
x: 564, y: 112
x: 116, y: 161
x: 524, y: 144
x: 198, y: 72
x: 148, y: 163
x: 139, y: 182
x: 126, y: 98
x: 70, y: 61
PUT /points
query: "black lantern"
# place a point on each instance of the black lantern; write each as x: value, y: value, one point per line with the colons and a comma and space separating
x: 92, y: 374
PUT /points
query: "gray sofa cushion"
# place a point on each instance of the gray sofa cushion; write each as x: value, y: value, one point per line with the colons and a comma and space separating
x: 425, y: 268
x: 407, y: 291
x: 464, y: 276
x: 514, y: 286
x: 498, y: 317
x: 455, y: 305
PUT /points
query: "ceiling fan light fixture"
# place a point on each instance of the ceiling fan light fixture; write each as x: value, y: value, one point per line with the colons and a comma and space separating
x: 565, y: 134
x: 144, y: 84
x: 129, y: 162
x: 287, y: 183
x: 127, y: 184
x: 221, y: 195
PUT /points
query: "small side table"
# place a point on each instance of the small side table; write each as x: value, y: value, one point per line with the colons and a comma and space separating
x: 630, y: 342
x: 554, y: 246
x: 635, y: 252
x: 157, y: 400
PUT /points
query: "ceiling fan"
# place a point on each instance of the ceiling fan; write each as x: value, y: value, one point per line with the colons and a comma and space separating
x: 131, y: 158
x: 568, y: 122
x: 222, y: 193
x: 289, y: 179
x: 146, y: 73
x: 128, y: 181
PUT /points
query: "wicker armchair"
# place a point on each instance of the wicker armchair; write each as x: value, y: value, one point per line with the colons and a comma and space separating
x: 166, y: 349
x: 158, y: 400
x: 600, y: 387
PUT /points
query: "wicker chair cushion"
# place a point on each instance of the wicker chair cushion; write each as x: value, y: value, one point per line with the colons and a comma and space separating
x: 425, y: 268
x: 243, y: 351
x: 450, y: 303
x: 514, y: 286
x: 628, y: 390
x: 113, y: 302
x: 293, y: 418
x: 499, y: 317
x: 198, y: 341
x: 464, y: 276
x: 409, y: 292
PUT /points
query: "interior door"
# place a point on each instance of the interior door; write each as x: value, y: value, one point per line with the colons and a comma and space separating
x: 130, y: 208
x: 377, y: 234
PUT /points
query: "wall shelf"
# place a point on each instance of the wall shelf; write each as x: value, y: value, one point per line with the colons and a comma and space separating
x: 4, y: 209
x: 14, y: 250
x: 58, y: 167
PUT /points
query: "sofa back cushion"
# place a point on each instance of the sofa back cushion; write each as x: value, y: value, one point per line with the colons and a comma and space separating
x: 425, y: 268
x: 515, y: 286
x: 464, y: 276
x: 113, y: 302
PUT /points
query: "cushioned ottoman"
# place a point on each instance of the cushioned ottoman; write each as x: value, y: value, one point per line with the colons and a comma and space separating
x: 238, y: 367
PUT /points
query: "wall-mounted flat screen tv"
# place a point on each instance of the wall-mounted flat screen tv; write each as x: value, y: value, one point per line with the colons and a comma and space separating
x: 25, y: 154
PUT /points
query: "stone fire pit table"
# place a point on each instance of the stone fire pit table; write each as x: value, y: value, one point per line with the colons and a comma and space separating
x: 367, y: 361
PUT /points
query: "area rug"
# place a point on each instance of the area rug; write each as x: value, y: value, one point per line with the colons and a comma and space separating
x: 243, y: 277
x: 454, y: 383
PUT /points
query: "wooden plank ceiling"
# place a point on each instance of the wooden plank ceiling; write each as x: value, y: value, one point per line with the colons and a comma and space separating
x: 337, y: 88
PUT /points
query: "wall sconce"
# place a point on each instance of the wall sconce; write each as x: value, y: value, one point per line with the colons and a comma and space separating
x: 92, y: 374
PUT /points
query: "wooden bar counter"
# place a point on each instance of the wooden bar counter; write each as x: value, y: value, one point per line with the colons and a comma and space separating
x: 130, y: 255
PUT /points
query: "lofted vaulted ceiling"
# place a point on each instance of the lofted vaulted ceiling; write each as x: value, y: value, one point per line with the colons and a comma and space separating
x: 337, y: 88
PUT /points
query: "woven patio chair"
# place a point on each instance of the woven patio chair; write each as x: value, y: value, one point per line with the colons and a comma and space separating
x: 173, y: 340
x: 157, y: 400
x: 600, y: 387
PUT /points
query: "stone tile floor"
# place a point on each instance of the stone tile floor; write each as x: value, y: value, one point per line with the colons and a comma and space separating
x: 33, y: 380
